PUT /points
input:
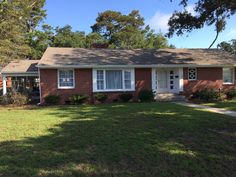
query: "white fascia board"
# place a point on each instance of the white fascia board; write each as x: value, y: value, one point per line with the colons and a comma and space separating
x: 131, y: 66
x: 20, y: 74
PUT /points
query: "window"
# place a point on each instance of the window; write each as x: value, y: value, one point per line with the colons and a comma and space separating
x: 113, y: 80
x: 66, y: 78
x: 228, y: 75
x: 192, y: 74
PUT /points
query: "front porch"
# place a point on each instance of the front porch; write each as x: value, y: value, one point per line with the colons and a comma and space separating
x: 24, y: 79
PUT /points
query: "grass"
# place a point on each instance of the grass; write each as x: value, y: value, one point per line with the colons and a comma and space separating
x: 228, y: 105
x: 149, y: 139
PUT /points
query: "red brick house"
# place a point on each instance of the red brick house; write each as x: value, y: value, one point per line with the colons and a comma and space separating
x: 68, y: 71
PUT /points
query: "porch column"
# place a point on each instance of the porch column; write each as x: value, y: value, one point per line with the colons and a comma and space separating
x: 4, y: 84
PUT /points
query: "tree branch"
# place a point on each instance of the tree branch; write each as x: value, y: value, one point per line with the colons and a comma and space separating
x: 217, y: 34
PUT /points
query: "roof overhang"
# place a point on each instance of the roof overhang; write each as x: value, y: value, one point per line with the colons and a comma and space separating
x: 134, y: 66
x: 19, y: 74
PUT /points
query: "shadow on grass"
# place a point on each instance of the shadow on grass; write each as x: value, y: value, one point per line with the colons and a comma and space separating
x: 127, y: 140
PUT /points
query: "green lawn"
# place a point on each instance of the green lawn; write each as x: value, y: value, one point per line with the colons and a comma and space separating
x: 228, y: 105
x: 125, y: 140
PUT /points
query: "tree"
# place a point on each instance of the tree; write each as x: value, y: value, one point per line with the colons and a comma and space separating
x: 122, y: 31
x: 207, y: 12
x: 65, y: 37
x: 16, y: 16
x: 94, y: 38
x: 39, y: 40
x: 110, y: 22
x: 127, y: 31
x: 156, y: 41
x: 33, y: 13
x: 228, y: 46
x: 128, y: 38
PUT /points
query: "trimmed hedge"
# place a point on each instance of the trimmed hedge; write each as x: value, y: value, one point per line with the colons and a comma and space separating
x: 101, y: 97
x: 207, y: 95
x: 146, y: 96
x: 231, y: 94
x: 52, y: 99
x: 125, y: 97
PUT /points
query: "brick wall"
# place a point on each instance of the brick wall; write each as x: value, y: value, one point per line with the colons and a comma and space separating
x: 210, y: 78
x: 48, y: 82
x: 83, y: 84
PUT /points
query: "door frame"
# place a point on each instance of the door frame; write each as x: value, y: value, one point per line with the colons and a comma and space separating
x: 178, y: 80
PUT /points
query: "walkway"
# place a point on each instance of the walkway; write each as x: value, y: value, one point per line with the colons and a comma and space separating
x: 207, y: 108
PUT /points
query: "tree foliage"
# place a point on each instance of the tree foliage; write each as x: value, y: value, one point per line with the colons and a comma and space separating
x: 17, y: 19
x: 112, y: 29
x: 65, y: 37
x: 127, y: 31
x: 207, y: 12
x: 39, y: 40
x: 21, y: 35
x: 228, y: 46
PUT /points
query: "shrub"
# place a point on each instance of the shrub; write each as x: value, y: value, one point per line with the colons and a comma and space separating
x: 222, y: 96
x: 18, y: 99
x: 5, y: 100
x: 101, y: 97
x: 52, y: 99
x: 146, y: 95
x: 207, y: 95
x: 78, y: 99
x: 14, y: 98
x: 125, y: 97
x: 231, y: 94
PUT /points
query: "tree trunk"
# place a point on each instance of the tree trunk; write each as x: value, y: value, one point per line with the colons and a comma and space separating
x: 217, y: 34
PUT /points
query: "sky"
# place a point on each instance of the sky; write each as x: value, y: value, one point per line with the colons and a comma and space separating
x: 81, y: 14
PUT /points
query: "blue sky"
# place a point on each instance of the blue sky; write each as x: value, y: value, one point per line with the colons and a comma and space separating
x: 81, y: 14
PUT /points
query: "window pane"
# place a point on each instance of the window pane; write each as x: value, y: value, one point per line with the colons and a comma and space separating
x: 127, y: 84
x: 66, y: 78
x: 100, y: 85
x: 114, y: 79
x: 127, y: 80
x: 100, y: 75
x: 100, y: 80
x: 227, y: 75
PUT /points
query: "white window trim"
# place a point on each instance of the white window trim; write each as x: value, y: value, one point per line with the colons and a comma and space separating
x: 233, y: 77
x: 58, y: 79
x: 113, y: 90
x: 196, y: 74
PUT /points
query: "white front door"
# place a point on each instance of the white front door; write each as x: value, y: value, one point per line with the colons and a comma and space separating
x: 167, y: 80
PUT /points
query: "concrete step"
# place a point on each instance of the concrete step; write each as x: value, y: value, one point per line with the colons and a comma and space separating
x: 169, y: 97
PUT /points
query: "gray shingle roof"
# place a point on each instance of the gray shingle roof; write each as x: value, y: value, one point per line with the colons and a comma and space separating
x: 93, y: 57
x: 21, y: 66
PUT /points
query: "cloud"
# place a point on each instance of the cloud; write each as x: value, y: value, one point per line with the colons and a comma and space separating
x: 159, y: 21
